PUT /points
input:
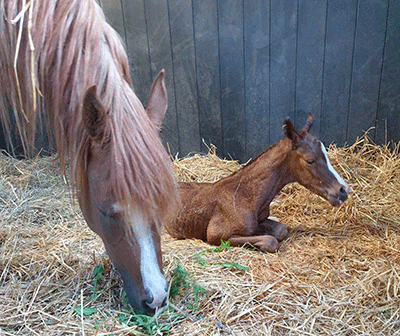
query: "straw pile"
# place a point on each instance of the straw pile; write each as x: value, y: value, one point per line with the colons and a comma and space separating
x: 338, y: 273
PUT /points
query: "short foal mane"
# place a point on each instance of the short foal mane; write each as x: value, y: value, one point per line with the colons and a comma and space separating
x: 264, y: 152
x: 75, y: 48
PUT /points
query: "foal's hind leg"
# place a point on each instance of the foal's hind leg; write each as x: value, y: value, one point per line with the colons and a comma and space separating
x: 272, y: 228
x: 264, y: 243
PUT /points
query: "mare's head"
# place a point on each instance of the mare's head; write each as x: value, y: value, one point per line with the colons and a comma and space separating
x: 310, y: 166
x: 122, y: 209
x: 119, y: 168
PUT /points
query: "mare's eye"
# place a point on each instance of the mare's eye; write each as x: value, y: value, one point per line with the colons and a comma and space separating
x: 311, y: 161
x: 109, y: 214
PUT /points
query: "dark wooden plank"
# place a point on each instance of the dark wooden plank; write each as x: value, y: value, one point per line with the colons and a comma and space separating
x: 310, y: 60
x: 370, y: 36
x: 158, y: 29
x: 283, y: 64
x: 256, y: 30
x: 388, y: 127
x: 232, y: 77
x: 137, y: 47
x: 205, y: 14
x: 182, y: 39
x: 341, y: 18
x: 113, y: 11
x: 3, y: 143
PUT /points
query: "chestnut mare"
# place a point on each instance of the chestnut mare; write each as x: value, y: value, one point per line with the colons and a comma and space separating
x: 236, y: 208
x: 62, y: 57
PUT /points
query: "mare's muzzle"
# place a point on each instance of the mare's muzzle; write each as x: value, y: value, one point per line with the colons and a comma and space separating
x: 142, y: 300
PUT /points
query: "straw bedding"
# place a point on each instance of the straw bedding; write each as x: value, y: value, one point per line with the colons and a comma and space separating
x: 338, y: 272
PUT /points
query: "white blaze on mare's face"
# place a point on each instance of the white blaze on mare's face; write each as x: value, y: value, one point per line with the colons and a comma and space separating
x: 333, y: 171
x: 153, y: 281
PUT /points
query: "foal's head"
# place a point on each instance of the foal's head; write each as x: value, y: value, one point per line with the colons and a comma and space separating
x: 120, y: 216
x: 310, y: 166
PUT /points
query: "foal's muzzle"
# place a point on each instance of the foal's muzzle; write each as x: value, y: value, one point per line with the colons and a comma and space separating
x: 339, y: 197
x: 343, y: 195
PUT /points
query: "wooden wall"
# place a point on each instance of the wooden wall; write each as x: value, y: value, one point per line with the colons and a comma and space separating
x: 236, y: 68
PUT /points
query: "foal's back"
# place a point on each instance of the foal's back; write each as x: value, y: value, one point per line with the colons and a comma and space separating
x: 195, y: 208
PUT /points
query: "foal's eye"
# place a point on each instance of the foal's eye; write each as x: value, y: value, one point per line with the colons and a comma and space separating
x: 311, y: 161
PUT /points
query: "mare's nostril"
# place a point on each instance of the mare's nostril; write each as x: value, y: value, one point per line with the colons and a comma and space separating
x: 151, y: 303
x: 146, y: 307
x: 147, y: 303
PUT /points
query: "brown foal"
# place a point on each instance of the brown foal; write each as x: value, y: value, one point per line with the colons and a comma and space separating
x: 236, y: 208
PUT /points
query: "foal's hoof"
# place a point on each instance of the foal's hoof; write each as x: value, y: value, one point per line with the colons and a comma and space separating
x: 281, y: 232
x: 270, y: 244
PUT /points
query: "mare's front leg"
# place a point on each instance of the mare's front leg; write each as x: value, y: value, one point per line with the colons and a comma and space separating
x: 272, y: 228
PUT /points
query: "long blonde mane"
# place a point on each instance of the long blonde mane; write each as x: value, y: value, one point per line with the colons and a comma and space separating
x: 60, y: 48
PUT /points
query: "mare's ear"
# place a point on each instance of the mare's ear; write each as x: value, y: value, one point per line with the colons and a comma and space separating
x: 158, y: 100
x: 93, y: 114
x: 290, y: 131
x: 309, y: 123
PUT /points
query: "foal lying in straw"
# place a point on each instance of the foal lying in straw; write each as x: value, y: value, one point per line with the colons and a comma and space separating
x: 236, y: 208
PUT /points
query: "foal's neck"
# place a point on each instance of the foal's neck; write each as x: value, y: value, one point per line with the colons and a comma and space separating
x: 269, y: 172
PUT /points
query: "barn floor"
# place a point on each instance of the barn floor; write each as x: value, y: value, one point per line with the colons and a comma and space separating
x: 338, y: 273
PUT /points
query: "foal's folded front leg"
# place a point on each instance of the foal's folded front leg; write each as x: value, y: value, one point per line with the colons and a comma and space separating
x: 272, y: 228
x: 264, y: 243
x: 242, y: 232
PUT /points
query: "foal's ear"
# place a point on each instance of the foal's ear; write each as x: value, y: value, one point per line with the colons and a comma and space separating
x: 309, y: 123
x: 158, y: 100
x: 93, y: 114
x: 290, y: 131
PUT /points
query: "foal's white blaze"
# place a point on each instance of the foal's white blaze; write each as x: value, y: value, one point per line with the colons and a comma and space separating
x: 332, y: 170
x: 153, y: 281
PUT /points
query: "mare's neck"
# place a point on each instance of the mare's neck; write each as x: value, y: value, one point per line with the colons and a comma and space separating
x: 269, y: 172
